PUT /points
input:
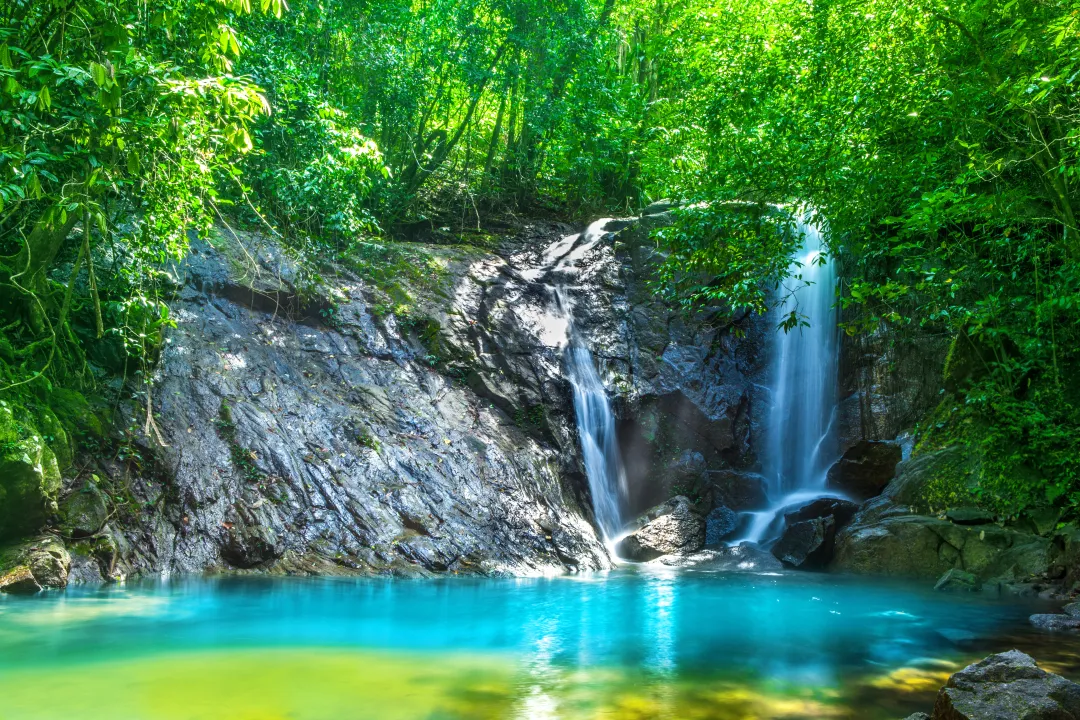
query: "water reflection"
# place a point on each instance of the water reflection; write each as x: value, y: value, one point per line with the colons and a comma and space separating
x: 631, y: 644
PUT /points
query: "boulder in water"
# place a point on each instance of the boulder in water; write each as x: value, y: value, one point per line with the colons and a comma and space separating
x: 1007, y: 686
x: 865, y: 469
x: 675, y: 529
x: 807, y: 544
x: 719, y: 524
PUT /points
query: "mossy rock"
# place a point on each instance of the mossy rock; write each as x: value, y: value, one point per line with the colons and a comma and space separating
x: 84, y: 512
x: 29, y: 480
x: 46, y: 557
x: 57, y: 438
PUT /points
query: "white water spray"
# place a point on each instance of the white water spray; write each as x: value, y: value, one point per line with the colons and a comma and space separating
x: 802, y: 435
x: 595, y: 417
x: 599, y: 444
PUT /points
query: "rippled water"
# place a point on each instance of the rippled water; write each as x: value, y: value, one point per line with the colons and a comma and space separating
x: 630, y: 644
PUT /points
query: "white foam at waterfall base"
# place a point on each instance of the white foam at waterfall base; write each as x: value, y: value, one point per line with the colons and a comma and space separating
x: 801, y: 441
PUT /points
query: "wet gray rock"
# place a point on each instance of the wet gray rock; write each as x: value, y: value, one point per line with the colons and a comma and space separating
x: 1055, y: 622
x: 807, y: 544
x: 1007, y: 686
x: 918, y: 716
x: 678, y: 530
x: 315, y: 433
x: 958, y: 581
x: 719, y: 524
x: 864, y: 470
x: 1072, y: 609
x: 739, y: 558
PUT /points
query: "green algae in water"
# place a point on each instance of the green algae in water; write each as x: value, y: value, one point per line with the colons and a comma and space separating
x: 624, y: 646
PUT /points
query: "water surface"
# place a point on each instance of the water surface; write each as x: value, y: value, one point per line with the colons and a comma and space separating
x: 628, y: 644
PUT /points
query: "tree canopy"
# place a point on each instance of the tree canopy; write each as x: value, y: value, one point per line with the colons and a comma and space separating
x: 937, y: 143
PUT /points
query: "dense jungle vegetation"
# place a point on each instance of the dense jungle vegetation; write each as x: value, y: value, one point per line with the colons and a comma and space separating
x: 937, y: 141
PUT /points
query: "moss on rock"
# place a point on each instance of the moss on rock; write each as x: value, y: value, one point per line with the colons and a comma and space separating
x: 29, y: 477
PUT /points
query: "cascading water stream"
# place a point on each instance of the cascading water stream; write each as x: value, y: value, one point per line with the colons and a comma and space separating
x: 599, y: 444
x: 595, y: 417
x: 801, y: 437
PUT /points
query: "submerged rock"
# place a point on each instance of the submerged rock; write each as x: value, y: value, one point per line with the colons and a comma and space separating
x: 807, y: 544
x: 865, y: 469
x: 678, y: 529
x: 739, y: 558
x: 719, y: 524
x: 1007, y: 686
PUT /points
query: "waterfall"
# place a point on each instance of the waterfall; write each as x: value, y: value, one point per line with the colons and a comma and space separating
x: 599, y: 444
x: 802, y: 440
x: 801, y: 434
x: 595, y: 417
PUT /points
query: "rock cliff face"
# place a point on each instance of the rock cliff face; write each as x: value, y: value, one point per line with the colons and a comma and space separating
x: 318, y: 432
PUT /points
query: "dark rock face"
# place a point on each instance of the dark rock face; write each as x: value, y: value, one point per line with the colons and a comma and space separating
x: 807, y: 544
x: 719, y: 523
x: 739, y: 491
x: 1007, y: 686
x: 865, y: 469
x: 677, y: 530
x: 841, y: 511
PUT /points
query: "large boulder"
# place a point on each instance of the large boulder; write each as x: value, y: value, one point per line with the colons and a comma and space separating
x: 45, y: 557
x: 927, y: 547
x: 18, y: 580
x: 1007, y: 686
x: 865, y: 469
x: 807, y: 544
x: 674, y: 528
